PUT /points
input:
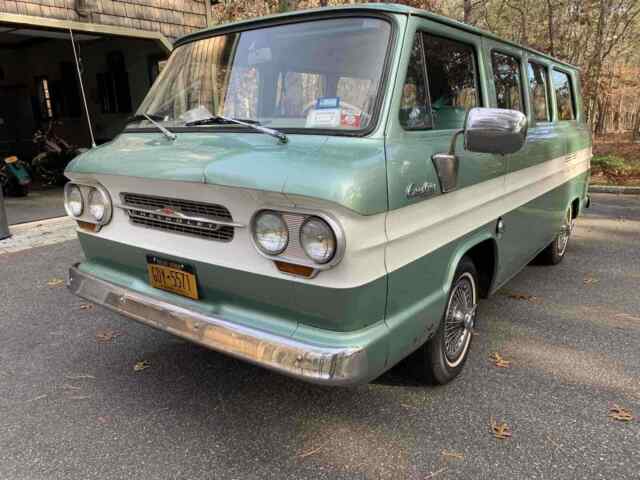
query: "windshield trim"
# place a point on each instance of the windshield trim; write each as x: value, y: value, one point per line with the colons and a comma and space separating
x: 301, y: 18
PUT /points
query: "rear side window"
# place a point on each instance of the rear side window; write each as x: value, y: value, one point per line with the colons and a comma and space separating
x: 506, y: 77
x: 565, y: 102
x: 539, y: 92
x: 453, y: 83
x: 415, y: 111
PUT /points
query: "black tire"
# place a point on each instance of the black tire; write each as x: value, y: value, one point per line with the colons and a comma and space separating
x: 436, y: 362
x: 556, y: 250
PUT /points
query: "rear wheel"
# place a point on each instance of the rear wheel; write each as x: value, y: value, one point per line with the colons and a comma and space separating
x: 554, y: 253
x: 442, y: 358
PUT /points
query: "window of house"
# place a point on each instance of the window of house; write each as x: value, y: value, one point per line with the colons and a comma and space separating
x: 44, y: 99
x: 539, y: 92
x: 452, y: 81
x: 506, y: 77
x: 113, y: 86
x: 415, y: 111
x: 565, y: 102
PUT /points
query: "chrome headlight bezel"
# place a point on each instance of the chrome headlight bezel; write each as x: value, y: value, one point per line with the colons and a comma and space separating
x: 95, y: 194
x: 255, y: 234
x: 69, y: 190
x: 294, y: 252
x: 330, y: 234
x: 87, y: 190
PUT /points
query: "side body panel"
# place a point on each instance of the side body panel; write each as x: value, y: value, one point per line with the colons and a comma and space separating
x: 529, y: 190
x: 420, y: 229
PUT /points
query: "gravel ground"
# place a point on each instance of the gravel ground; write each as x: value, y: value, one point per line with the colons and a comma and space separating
x: 72, y: 407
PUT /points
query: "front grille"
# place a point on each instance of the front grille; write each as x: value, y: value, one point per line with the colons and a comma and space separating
x: 183, y: 217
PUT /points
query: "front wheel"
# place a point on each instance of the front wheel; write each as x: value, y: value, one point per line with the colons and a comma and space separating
x: 554, y: 253
x: 442, y: 358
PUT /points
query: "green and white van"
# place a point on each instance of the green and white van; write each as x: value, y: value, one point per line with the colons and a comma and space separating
x: 327, y: 192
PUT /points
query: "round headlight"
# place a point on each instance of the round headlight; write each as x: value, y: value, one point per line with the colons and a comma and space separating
x: 271, y: 233
x: 318, y: 240
x: 98, y: 205
x: 75, y: 204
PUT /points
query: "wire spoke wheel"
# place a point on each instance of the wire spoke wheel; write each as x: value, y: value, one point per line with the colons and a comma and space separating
x: 459, y: 319
x: 563, y: 236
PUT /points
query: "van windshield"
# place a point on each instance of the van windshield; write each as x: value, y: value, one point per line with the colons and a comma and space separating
x: 322, y: 74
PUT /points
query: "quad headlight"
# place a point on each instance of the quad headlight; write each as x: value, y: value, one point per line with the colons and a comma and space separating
x: 98, y: 204
x: 73, y: 200
x: 270, y: 232
x: 89, y: 204
x: 318, y: 240
x: 299, y: 242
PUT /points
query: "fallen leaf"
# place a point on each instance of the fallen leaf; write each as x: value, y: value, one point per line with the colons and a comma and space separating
x: 141, y: 365
x: 86, y: 306
x: 66, y: 386
x: 456, y: 455
x: 106, y: 336
x: 55, y: 282
x: 310, y: 452
x: 589, y: 280
x: 79, y: 376
x: 436, y: 473
x: 103, y: 420
x: 79, y: 397
x: 621, y: 414
x: 499, y: 361
x: 628, y: 317
x: 523, y: 296
x: 501, y: 430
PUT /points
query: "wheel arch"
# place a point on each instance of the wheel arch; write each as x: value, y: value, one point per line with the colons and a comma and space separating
x: 483, y: 251
x: 575, y: 207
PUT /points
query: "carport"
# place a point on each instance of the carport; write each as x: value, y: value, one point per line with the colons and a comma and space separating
x: 40, y: 90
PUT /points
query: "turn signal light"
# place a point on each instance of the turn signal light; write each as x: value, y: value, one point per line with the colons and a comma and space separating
x: 89, y: 227
x: 292, y: 269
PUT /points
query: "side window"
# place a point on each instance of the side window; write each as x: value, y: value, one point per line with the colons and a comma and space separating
x: 415, y: 112
x: 453, y: 84
x: 564, y: 95
x: 539, y: 92
x: 506, y: 77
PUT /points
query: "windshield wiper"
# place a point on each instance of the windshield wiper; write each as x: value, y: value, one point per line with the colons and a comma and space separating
x: 140, y: 117
x: 167, y: 133
x: 282, y: 138
x: 153, y: 119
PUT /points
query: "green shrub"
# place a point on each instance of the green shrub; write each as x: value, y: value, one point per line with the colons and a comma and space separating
x: 609, y: 164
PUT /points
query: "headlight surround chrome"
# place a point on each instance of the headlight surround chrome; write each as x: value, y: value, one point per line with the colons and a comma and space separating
x: 94, y: 199
x: 270, y: 232
x: 98, y: 205
x: 73, y: 201
x: 318, y: 240
x: 294, y: 253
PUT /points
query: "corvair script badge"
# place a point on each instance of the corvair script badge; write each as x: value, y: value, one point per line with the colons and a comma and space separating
x: 421, y: 189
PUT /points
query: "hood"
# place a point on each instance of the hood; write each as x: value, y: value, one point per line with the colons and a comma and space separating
x: 345, y: 170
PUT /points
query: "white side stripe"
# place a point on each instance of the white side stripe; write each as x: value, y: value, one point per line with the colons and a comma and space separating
x: 419, y: 229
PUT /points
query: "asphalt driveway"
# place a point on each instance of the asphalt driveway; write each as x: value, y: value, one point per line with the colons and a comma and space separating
x: 72, y: 406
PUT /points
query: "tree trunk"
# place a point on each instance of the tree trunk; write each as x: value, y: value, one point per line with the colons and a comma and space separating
x: 468, y: 7
x: 287, y: 5
x: 552, y: 50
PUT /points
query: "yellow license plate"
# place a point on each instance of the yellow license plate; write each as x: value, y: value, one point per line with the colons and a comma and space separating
x: 172, y: 277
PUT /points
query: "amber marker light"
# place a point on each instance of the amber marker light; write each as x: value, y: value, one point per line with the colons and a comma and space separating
x: 290, y: 268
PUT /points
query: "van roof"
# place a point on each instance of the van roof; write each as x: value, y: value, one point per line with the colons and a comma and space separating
x: 379, y: 7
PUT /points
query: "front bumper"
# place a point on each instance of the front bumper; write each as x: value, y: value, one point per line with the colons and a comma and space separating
x: 306, y: 361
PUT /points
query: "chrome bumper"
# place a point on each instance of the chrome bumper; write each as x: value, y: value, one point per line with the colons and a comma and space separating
x: 313, y: 363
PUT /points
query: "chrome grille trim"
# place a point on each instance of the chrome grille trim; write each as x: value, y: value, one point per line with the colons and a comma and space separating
x: 188, y: 207
x: 185, y: 217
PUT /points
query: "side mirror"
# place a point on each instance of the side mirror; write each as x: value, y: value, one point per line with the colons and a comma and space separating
x: 486, y: 130
x: 495, y: 130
